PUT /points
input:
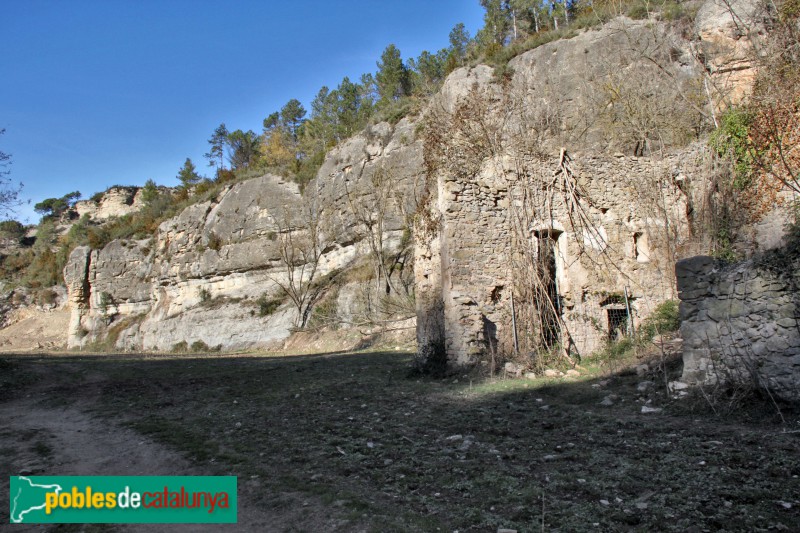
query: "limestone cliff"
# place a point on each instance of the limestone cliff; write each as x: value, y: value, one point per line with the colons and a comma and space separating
x: 200, y: 277
x: 115, y: 202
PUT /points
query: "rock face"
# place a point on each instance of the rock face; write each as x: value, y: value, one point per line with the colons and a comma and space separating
x: 379, y: 171
x: 115, y: 202
x: 740, y: 322
x: 728, y: 31
x: 603, y: 220
x: 200, y: 278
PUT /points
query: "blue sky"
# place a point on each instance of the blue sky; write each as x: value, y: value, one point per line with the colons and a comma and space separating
x: 104, y: 92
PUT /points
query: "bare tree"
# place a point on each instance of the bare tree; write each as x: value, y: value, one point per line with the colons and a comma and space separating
x: 301, y: 242
x: 374, y: 208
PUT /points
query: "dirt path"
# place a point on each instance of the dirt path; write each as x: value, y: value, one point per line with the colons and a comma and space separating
x: 39, y: 440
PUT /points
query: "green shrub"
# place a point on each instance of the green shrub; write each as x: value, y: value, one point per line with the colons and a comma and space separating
x: 199, y: 346
x: 665, y: 318
x: 204, y: 186
x: 732, y: 140
x: 225, y: 176
x: 204, y: 294
x: 638, y: 11
x: 45, y: 297
x: 180, y: 347
x: 616, y: 350
x: 267, y: 305
x: 12, y: 229
x: 12, y: 265
x: 673, y: 11
x: 106, y: 300
x: 214, y: 241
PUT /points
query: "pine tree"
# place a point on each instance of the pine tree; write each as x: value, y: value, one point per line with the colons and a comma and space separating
x: 188, y: 175
x: 292, y: 115
x: 244, y: 148
x: 392, y: 75
x: 496, y: 23
x: 459, y: 40
x: 218, y: 141
x: 150, y: 192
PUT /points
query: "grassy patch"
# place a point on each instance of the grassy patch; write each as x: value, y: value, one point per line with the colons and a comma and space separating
x: 665, y: 319
x: 268, y: 305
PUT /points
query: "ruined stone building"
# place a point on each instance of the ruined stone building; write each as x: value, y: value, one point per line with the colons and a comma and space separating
x: 602, y: 254
x: 564, y: 188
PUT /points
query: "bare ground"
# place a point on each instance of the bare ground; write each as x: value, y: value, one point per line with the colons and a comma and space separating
x: 33, y: 329
x: 42, y: 433
x: 349, y: 442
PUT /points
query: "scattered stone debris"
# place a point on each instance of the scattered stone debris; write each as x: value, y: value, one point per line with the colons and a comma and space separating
x: 645, y: 386
x: 678, y: 389
x: 609, y: 400
x: 513, y: 369
x: 647, y: 409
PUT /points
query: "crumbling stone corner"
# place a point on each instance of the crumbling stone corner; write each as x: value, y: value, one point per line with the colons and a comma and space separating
x: 739, y: 323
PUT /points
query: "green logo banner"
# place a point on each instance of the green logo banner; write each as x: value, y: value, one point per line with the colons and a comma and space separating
x: 123, y: 499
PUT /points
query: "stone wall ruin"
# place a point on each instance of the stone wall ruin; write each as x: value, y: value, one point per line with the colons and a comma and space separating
x: 605, y: 270
x: 739, y: 323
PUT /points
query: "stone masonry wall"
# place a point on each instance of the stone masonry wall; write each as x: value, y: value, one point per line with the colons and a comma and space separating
x: 466, y: 268
x: 739, y: 322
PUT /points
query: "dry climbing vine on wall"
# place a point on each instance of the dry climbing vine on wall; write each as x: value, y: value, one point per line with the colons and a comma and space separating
x: 538, y: 200
x: 486, y: 129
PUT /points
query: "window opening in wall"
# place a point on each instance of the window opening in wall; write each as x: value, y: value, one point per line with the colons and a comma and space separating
x: 617, y: 323
x: 640, y: 249
x: 549, y: 304
x: 496, y: 294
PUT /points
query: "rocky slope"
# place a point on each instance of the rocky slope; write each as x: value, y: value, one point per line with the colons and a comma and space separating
x: 117, y: 201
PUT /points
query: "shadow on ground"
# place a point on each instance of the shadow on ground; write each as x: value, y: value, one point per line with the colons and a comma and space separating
x: 376, y: 447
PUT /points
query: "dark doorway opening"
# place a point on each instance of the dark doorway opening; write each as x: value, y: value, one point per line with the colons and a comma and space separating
x: 617, y: 323
x: 548, y: 300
